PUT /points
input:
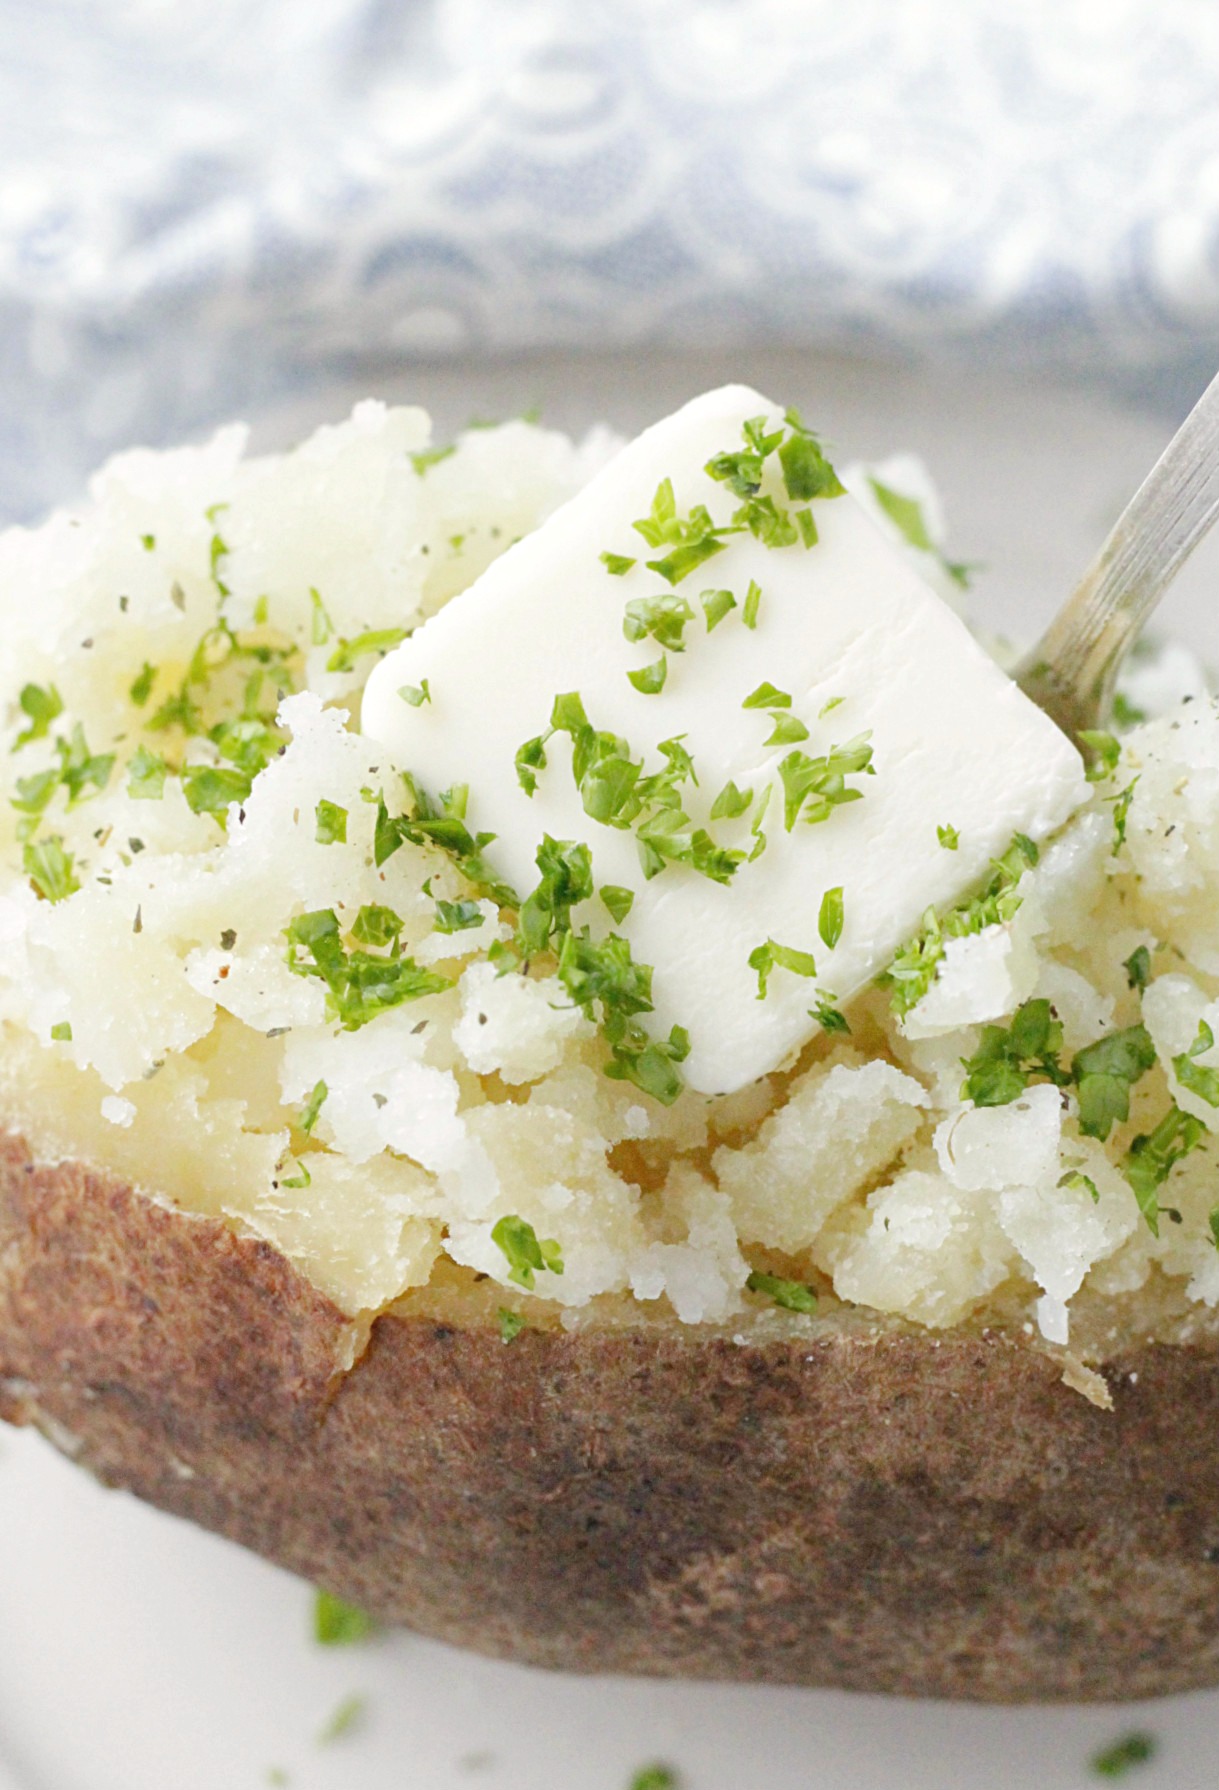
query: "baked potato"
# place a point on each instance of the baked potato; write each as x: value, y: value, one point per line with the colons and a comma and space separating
x: 822, y: 1501
x: 341, y: 1223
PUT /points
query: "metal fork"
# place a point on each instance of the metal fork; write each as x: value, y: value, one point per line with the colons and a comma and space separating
x: 1071, y: 671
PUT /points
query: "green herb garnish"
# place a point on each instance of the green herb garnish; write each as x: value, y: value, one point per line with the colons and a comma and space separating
x: 50, y: 868
x: 458, y: 916
x: 423, y: 462
x: 914, y: 968
x: 731, y: 802
x: 617, y: 564
x: 814, y: 787
x: 527, y: 1255
x: 141, y: 688
x: 1138, y: 968
x: 1103, y: 754
x: 62, y: 1033
x: 331, y: 823
x: 948, y: 837
x: 511, y: 1323
x: 617, y: 901
x: 339, y: 1624
x: 1192, y: 1075
x: 374, y: 640
x: 312, y: 1107
x: 416, y: 694
x: 662, y: 617
x: 146, y: 774
x: 1104, y: 1074
x: 792, y: 1295
x: 1153, y: 1155
x: 360, y: 985
x: 830, y: 919
x: 771, y: 956
x: 650, y: 681
x: 1116, y: 1760
x: 716, y: 604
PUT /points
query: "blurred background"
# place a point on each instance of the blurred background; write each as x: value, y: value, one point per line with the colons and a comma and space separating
x: 222, y: 207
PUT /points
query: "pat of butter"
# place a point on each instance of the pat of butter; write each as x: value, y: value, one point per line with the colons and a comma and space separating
x: 844, y: 622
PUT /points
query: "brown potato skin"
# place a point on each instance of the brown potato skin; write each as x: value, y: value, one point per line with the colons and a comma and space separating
x: 935, y: 1517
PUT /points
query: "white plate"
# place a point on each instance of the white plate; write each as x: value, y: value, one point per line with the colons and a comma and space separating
x: 139, y: 1654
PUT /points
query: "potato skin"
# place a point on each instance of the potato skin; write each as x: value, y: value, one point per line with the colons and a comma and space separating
x: 935, y: 1517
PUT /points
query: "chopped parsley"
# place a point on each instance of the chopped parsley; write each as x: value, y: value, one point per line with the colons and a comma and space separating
x: 457, y: 916
x: 148, y: 543
x: 1153, y: 1155
x: 1131, y: 1750
x: 692, y: 540
x: 360, y: 984
x: 40, y: 707
x: 348, y: 653
x: 617, y: 564
x: 716, y: 604
x: 607, y: 976
x: 655, y: 1777
x: 1080, y: 1183
x: 511, y: 1323
x: 948, y: 837
x: 312, y: 1107
x: 787, y: 730
x: 339, y: 1624
x: 62, y: 1033
x: 331, y: 823
x: 914, y: 968
x: 753, y: 602
x: 141, y: 688
x: 650, y: 680
x: 441, y: 822
x: 830, y: 918
x: 212, y: 789
x: 50, y: 868
x: 1121, y: 814
x: 814, y: 787
x: 767, y: 697
x: 526, y: 1254
x: 828, y: 1017
x: 1008, y: 1058
x: 906, y: 513
x: 792, y: 1295
x: 1191, y: 1074
x: 663, y: 618
x: 771, y: 956
x: 617, y: 901
x: 376, y: 925
x: 1103, y: 754
x: 731, y: 802
x: 1138, y: 968
x: 82, y: 773
x: 429, y: 457
x: 344, y: 1719
x: 416, y: 694
x: 1125, y: 714
x: 320, y: 625
x: 146, y: 774
x: 1104, y: 1074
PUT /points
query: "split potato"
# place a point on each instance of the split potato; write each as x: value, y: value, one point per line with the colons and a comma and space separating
x: 821, y: 1501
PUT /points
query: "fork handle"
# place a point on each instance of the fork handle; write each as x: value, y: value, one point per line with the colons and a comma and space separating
x: 1072, y: 669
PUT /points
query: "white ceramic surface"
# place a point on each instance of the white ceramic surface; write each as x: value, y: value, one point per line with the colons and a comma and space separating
x: 138, y: 1654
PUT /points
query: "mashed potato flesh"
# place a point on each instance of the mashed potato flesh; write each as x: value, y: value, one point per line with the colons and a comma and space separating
x: 185, y: 794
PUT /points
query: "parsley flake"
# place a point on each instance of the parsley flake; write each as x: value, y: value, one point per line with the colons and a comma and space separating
x: 1104, y: 1074
x: 146, y: 774
x: 320, y: 625
x: 527, y: 1255
x: 753, y: 602
x: 916, y: 965
x: 374, y: 640
x: 650, y: 680
x: 766, y: 696
x: 338, y: 1624
x: 617, y: 564
x: 62, y: 1033
x: 312, y: 1107
x: 359, y: 984
x: 1081, y: 1183
x: 423, y: 462
x: 814, y: 787
x: 1153, y: 1155
x: 331, y: 823
x: 948, y: 837
x: 1194, y: 1076
x: 828, y: 1017
x: 830, y: 919
x: 617, y: 901
x: 41, y: 707
x: 345, y: 1718
x: 731, y: 802
x: 50, y: 868
x: 663, y: 617
x: 1009, y: 1058
x: 716, y: 604
x: 771, y: 956
x: 1138, y: 968
x: 416, y: 694
x: 1103, y: 754
x: 1116, y: 1760
x: 792, y: 1295
x: 511, y: 1323
x: 1121, y: 814
x: 458, y: 916
x: 141, y: 688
